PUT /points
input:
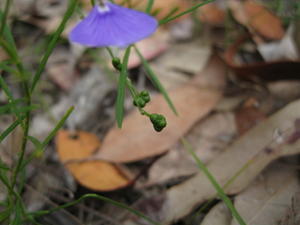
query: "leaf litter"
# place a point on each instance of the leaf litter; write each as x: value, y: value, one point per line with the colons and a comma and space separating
x: 238, y: 124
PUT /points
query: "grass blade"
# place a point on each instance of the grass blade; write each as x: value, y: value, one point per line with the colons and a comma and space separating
x: 71, y: 8
x: 164, y: 21
x: 149, y: 6
x: 214, y: 182
x: 121, y: 89
x: 155, y: 80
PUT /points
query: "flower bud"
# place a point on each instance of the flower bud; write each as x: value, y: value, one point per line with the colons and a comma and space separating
x: 145, y: 96
x: 139, y: 102
x: 116, y: 62
x: 159, y: 122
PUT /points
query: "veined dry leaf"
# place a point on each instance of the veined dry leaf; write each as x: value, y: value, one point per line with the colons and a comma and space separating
x: 138, y: 140
x: 218, y: 215
x: 266, y: 200
x: 251, y: 153
x: 95, y: 175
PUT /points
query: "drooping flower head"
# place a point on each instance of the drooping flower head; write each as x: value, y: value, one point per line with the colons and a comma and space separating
x: 113, y: 25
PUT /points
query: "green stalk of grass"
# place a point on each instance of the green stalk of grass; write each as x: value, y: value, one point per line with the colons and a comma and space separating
x: 4, y: 17
x: 167, y: 20
x: 214, y: 182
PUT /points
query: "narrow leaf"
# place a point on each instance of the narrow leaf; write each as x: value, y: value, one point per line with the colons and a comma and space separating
x: 8, y: 130
x: 121, y: 89
x: 155, y: 80
x: 149, y: 6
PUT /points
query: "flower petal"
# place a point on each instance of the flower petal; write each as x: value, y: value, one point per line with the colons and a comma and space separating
x: 117, y: 26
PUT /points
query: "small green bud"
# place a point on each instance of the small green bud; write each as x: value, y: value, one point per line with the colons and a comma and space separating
x: 145, y: 96
x: 117, y: 64
x: 159, y: 122
x: 139, y: 102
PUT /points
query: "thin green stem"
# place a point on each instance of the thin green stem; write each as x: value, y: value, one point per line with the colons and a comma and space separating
x: 164, y: 21
x: 214, y: 182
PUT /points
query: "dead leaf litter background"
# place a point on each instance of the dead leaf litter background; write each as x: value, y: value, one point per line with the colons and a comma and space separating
x: 232, y: 69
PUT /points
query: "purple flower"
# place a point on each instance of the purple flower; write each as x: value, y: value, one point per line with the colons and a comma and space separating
x: 113, y: 25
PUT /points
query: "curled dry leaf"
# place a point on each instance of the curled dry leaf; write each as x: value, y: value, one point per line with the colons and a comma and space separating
x: 72, y: 149
x: 248, y: 156
x: 138, y: 140
x: 266, y: 200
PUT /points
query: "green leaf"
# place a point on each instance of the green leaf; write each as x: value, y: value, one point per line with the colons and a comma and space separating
x: 8, y: 130
x: 164, y: 21
x: 214, y: 182
x: 149, y: 6
x: 154, y: 79
x: 71, y: 8
x: 121, y: 89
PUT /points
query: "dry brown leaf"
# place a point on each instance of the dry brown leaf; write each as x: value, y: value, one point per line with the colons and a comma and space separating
x: 218, y: 215
x: 263, y: 21
x: 252, y: 152
x: 257, y: 19
x: 160, y: 7
x: 266, y: 200
x: 138, y: 140
x: 212, y: 14
x: 248, y: 115
x: 209, y: 136
x: 95, y: 175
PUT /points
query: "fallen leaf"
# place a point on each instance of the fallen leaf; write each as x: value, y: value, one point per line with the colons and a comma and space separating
x: 95, y: 175
x: 150, y: 48
x: 251, y: 153
x: 292, y: 215
x: 257, y: 19
x: 263, y: 21
x: 269, y: 71
x: 212, y: 14
x: 266, y: 200
x: 248, y: 115
x: 210, y: 136
x: 138, y: 140
x: 218, y: 215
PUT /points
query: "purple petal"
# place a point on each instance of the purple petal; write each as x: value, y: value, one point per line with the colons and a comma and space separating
x: 118, y: 26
